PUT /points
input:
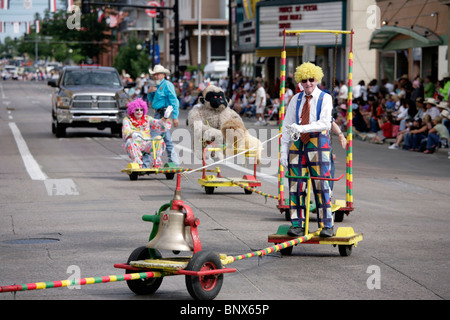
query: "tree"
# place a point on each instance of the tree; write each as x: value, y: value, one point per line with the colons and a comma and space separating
x: 131, y: 59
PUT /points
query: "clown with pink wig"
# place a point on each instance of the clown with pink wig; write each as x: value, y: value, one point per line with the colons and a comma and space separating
x: 136, y: 128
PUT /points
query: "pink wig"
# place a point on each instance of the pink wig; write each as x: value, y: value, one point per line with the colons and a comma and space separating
x: 135, y: 104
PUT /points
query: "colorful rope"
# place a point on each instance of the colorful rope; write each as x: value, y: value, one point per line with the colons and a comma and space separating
x: 272, y: 249
x: 83, y: 281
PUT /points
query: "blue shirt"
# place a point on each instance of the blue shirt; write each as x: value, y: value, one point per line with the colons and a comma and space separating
x: 165, y: 96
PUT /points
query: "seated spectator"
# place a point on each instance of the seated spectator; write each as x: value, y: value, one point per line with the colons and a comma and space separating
x: 445, y: 115
x: 273, y: 109
x: 390, y: 103
x: 385, y: 132
x: 406, y: 134
x: 401, y: 114
x: 187, y: 100
x: 432, y: 110
x: 418, y: 135
x: 358, y: 120
x: 436, y: 134
x: 367, y: 109
x: 376, y: 114
x: 235, y: 102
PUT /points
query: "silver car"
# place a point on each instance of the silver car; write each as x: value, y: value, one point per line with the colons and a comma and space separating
x: 88, y: 96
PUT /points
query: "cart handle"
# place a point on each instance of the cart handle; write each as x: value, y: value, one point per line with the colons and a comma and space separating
x: 315, y: 178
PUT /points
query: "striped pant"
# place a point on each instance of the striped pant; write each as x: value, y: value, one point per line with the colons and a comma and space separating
x: 313, y: 159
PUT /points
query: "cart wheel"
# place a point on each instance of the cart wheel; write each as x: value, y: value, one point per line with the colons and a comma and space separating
x: 287, y: 214
x: 143, y: 286
x: 339, y: 216
x: 248, y: 191
x: 286, y: 251
x: 170, y: 176
x: 209, y: 190
x: 204, y: 287
x: 345, y: 250
x: 133, y: 176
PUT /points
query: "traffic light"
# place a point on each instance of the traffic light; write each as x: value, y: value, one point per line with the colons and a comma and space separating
x: 160, y: 18
x: 85, y: 6
x: 183, y: 46
x: 172, y: 46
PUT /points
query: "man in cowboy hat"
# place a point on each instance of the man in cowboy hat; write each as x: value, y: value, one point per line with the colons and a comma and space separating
x: 161, y: 96
x: 432, y: 110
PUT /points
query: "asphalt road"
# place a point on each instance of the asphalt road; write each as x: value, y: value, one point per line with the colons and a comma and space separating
x: 71, y: 212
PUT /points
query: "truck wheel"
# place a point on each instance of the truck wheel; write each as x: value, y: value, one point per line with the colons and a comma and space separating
x: 60, y: 130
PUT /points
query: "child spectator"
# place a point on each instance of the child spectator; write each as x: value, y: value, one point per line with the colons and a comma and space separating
x: 385, y: 132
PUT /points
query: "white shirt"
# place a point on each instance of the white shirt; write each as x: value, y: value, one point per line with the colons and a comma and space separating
x: 433, y: 112
x: 324, y: 122
x: 260, y: 94
x: 288, y: 95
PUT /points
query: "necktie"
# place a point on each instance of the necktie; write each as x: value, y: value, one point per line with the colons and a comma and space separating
x: 305, y: 119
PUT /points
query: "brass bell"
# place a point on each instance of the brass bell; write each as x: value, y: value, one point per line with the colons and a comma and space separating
x: 172, y: 234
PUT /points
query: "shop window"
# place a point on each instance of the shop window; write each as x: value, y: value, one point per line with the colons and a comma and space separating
x: 218, y: 48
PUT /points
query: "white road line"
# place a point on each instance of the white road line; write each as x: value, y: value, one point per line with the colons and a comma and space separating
x: 31, y: 165
x: 54, y: 187
x: 3, y: 92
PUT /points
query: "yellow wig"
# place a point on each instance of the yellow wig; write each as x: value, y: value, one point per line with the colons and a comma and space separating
x: 308, y: 70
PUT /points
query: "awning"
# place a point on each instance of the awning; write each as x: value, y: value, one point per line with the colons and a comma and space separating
x: 414, y: 37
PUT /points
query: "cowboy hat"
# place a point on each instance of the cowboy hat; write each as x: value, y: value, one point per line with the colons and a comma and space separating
x: 443, y: 105
x: 430, y: 101
x: 159, y: 69
x: 445, y: 114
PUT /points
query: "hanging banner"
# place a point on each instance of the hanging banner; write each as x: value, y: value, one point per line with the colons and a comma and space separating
x: 16, y: 27
x: 27, y: 4
x: 52, y: 5
x: 4, y: 4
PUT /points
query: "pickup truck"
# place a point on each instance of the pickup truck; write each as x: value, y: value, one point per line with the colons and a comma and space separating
x: 88, y: 96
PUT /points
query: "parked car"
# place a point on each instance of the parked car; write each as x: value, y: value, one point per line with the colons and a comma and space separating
x: 88, y: 96
x: 216, y: 70
x: 10, y: 71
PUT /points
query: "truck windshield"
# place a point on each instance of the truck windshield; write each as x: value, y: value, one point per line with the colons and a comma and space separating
x: 91, y: 78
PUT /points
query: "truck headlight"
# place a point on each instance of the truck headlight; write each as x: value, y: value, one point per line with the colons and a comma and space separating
x: 123, y: 103
x: 63, y: 102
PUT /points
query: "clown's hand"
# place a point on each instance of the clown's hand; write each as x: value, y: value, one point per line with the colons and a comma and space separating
x: 294, y: 130
x: 136, y: 136
x: 168, y: 112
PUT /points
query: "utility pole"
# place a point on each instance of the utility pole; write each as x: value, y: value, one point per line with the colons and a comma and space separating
x: 230, y: 44
x: 177, y: 40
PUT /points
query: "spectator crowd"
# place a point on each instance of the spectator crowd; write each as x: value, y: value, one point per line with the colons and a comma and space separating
x: 412, y: 116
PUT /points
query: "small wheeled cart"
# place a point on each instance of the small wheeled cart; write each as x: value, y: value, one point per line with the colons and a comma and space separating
x: 345, y: 238
x: 175, y: 228
x: 134, y: 171
x: 210, y: 182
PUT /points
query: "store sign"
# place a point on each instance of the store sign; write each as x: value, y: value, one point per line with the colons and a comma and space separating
x: 246, y: 33
x: 273, y: 20
x: 212, y: 32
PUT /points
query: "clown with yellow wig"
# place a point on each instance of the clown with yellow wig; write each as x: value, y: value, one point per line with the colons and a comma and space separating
x: 306, y: 149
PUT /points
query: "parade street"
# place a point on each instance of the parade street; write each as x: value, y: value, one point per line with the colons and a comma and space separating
x: 67, y: 210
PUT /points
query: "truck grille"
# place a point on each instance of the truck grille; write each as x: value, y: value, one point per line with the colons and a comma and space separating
x: 94, y: 102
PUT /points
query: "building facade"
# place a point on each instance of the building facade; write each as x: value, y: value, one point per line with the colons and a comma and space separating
x: 412, y: 39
